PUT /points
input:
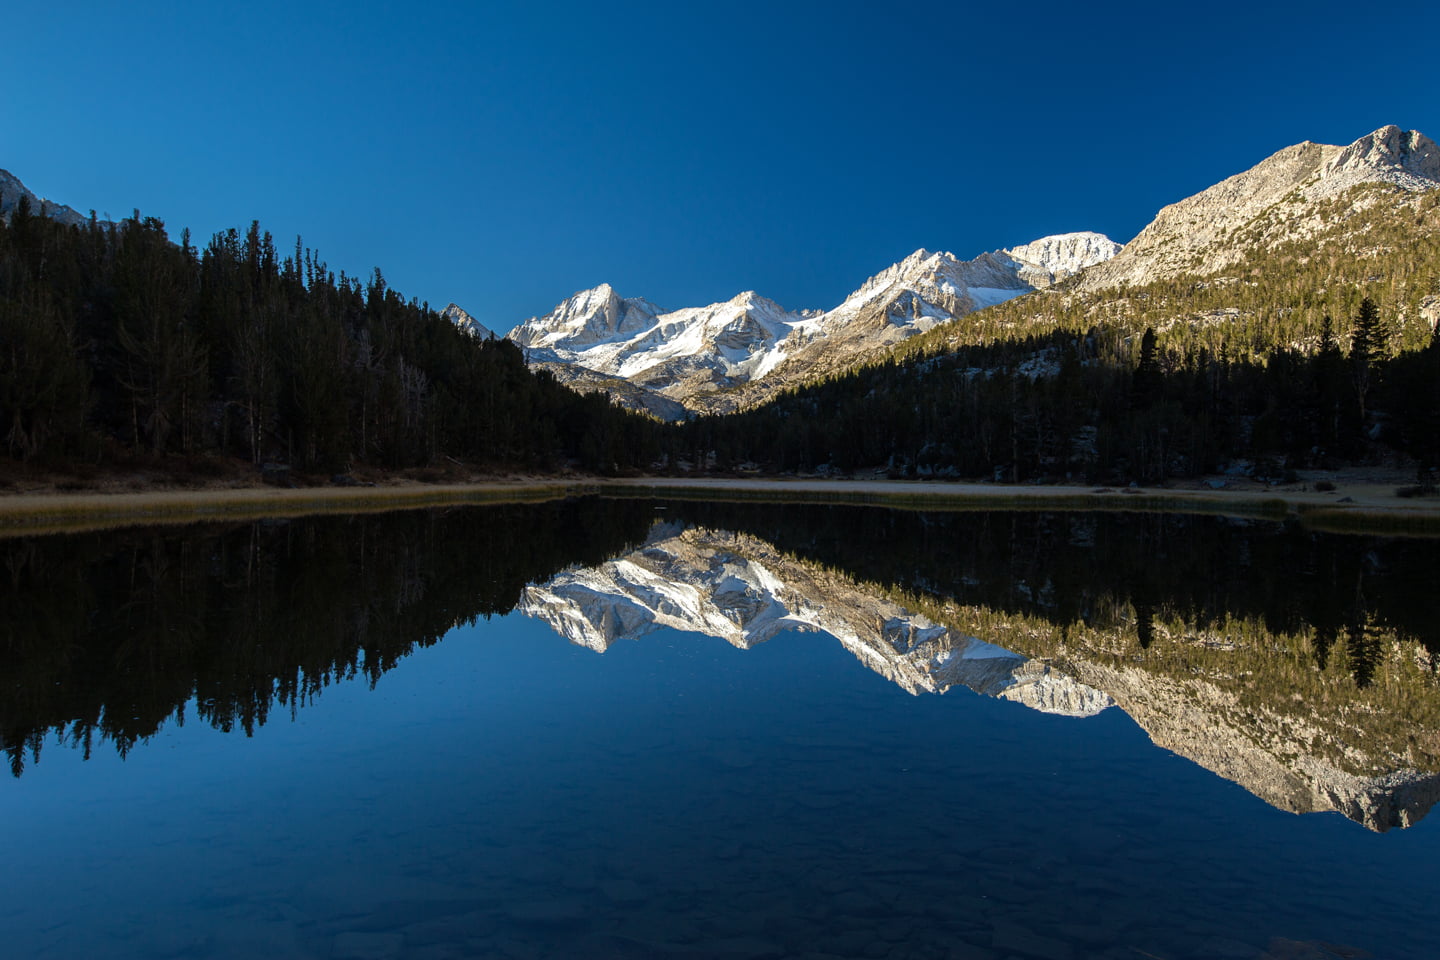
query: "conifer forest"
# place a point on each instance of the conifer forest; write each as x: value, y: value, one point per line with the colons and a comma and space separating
x: 118, y: 343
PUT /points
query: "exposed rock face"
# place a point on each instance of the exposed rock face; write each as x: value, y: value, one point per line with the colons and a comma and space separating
x: 1407, y: 158
x: 629, y: 395
x: 1052, y: 259
x: 740, y: 589
x: 467, y: 323
x: 706, y: 357
x: 1272, y: 202
x: 11, y: 190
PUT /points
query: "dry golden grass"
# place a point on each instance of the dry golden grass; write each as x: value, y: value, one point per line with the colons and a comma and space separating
x: 70, y: 513
x: 1366, y: 508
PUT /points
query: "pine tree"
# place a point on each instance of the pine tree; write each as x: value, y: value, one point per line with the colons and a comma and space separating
x: 1368, y: 344
x: 1146, y: 384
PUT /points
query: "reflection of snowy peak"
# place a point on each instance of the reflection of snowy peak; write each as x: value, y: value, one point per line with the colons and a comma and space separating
x: 691, y: 354
x: 742, y: 590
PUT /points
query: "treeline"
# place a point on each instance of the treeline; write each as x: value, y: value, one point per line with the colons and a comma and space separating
x: 1100, y: 406
x: 116, y: 341
x: 105, y: 638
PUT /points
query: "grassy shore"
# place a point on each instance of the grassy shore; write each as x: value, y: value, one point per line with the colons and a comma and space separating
x: 76, y: 512
x: 1359, y: 507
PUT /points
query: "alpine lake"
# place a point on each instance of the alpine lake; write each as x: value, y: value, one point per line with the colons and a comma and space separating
x: 642, y: 729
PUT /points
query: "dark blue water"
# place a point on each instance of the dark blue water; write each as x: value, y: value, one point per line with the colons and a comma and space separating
x: 507, y: 794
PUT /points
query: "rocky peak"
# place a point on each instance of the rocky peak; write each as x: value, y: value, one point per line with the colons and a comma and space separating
x: 466, y: 323
x: 1045, y: 261
x: 587, y: 317
x: 749, y: 299
x: 1270, y: 203
x: 710, y: 355
x: 1406, y: 158
x: 11, y: 190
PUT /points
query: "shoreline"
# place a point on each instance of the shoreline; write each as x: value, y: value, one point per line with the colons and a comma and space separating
x: 45, y: 513
x: 1356, y: 506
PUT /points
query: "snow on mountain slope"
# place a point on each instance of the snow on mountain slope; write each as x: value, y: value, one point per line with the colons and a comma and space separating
x: 694, y: 353
x: 1051, y: 259
x: 591, y: 317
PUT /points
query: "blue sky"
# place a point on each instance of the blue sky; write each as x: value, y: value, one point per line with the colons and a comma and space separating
x: 504, y: 155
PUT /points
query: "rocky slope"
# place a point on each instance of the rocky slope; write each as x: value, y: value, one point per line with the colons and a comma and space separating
x: 1277, y: 200
x: 629, y: 395
x: 1259, y: 259
x: 707, y: 357
x: 467, y: 323
x: 1229, y: 698
x: 11, y: 190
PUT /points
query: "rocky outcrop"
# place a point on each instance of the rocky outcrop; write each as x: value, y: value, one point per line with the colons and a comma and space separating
x: 11, y: 190
x: 463, y: 321
x: 629, y: 395
x: 1406, y: 158
x: 1052, y: 259
x: 1277, y: 200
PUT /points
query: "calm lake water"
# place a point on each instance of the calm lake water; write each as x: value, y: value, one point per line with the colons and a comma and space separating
x: 683, y: 730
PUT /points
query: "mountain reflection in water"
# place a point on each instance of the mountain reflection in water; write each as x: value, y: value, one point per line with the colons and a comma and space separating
x: 1299, y: 665
x: 1200, y: 692
x: 741, y: 589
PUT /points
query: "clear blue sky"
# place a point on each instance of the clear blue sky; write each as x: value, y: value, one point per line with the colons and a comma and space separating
x: 504, y: 155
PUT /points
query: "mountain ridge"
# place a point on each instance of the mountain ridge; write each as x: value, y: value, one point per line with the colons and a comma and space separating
x: 701, y: 355
x: 11, y: 190
x: 1268, y: 203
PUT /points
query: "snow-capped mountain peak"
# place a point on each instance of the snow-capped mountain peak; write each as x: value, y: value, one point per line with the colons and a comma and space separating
x: 1062, y: 255
x: 698, y: 354
x: 588, y: 317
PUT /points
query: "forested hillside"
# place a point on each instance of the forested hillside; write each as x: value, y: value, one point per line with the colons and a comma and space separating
x: 117, y: 342
x: 1314, y: 348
